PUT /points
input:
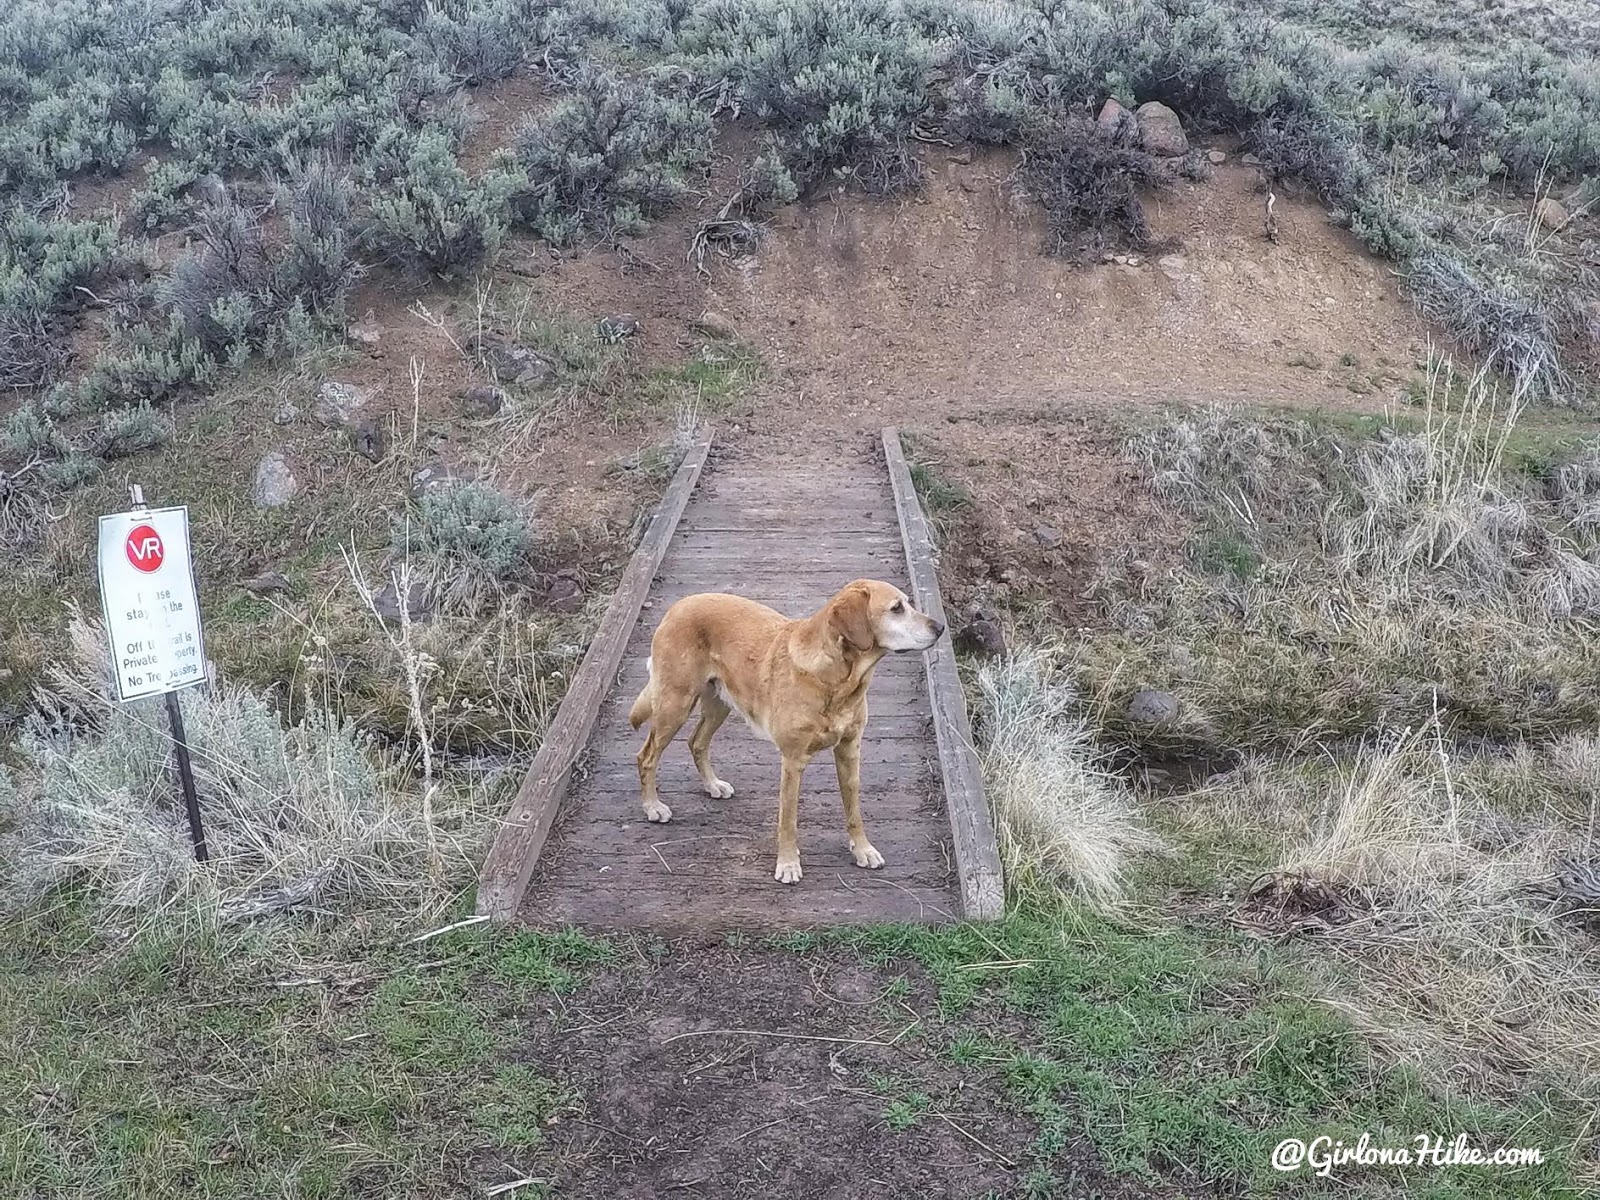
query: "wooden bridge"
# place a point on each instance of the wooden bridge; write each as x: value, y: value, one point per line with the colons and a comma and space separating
x: 575, y: 847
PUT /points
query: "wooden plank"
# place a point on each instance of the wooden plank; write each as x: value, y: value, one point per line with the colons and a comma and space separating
x: 971, y: 826
x: 516, y: 848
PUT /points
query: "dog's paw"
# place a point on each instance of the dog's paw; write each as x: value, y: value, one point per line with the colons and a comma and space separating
x: 657, y: 812
x: 787, y: 872
x: 719, y: 789
x: 866, y: 855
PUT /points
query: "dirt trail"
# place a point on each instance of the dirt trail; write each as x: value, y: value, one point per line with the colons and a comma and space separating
x: 943, y: 303
x: 941, y: 313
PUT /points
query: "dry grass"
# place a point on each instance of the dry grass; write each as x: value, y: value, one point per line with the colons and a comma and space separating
x: 313, y: 813
x: 1456, y: 958
x: 1064, y: 819
x: 1341, y: 584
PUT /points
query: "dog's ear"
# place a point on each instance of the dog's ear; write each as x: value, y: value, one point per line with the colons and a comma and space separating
x: 850, y: 618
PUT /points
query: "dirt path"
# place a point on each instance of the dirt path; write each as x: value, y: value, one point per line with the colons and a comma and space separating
x: 734, y: 1073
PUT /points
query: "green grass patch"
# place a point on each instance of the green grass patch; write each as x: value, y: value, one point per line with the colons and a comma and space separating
x: 1185, y: 1055
x: 303, y: 1064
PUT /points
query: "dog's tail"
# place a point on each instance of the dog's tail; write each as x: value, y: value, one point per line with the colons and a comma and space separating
x: 644, y: 705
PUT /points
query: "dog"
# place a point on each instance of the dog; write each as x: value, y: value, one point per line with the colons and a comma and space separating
x: 800, y: 684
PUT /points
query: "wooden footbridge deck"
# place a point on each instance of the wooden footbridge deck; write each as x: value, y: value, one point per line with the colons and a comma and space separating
x: 575, y: 847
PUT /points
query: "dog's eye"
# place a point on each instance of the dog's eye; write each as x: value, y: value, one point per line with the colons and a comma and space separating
x: 899, y: 606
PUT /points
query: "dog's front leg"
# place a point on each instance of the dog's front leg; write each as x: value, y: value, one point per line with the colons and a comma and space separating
x: 789, y: 818
x: 847, y: 760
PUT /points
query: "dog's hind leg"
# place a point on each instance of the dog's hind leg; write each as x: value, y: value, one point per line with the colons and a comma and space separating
x: 669, y: 710
x: 640, y: 712
x: 713, y: 712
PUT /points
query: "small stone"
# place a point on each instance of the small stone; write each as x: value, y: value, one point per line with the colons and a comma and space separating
x: 981, y: 635
x: 614, y: 329
x: 1250, y: 160
x: 1161, y: 132
x: 1552, y: 214
x: 432, y: 477
x: 274, y: 484
x: 364, y: 333
x: 1047, y: 536
x: 1216, y: 157
x: 1150, y: 707
x: 714, y: 324
x: 337, y: 403
x: 386, y: 602
x: 287, y: 414
x: 483, y: 400
x: 1115, y: 121
x: 209, y: 189
x: 513, y: 363
x: 370, y: 440
x: 266, y: 583
x: 565, y: 594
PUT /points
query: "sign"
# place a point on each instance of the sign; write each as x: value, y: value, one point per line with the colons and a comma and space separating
x: 148, y: 597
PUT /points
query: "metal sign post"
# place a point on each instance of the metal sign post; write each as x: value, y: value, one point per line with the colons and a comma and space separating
x: 152, y: 618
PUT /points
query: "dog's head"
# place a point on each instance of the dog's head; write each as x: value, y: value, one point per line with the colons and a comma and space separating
x: 870, y: 615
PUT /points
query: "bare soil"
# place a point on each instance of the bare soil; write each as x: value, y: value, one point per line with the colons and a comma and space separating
x: 728, y: 1072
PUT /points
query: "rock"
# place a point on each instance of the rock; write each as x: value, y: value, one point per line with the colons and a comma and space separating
x: 266, y: 583
x: 337, y: 403
x: 614, y: 329
x: 209, y: 189
x: 565, y: 594
x: 482, y: 400
x: 1552, y: 214
x: 370, y: 440
x: 1149, y: 707
x: 287, y: 414
x: 714, y: 324
x: 1250, y: 160
x: 1160, y: 131
x: 365, y: 332
x: 432, y: 477
x: 274, y: 484
x: 1047, y: 536
x: 981, y: 635
x: 386, y: 602
x: 1172, y: 265
x: 1115, y: 122
x: 1216, y: 157
x: 513, y: 363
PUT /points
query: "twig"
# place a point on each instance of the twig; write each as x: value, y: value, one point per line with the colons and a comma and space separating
x: 948, y: 1120
x: 789, y: 1037
x: 655, y: 848
x: 607, y: 1129
x: 423, y: 937
x: 500, y: 1189
x: 758, y: 1129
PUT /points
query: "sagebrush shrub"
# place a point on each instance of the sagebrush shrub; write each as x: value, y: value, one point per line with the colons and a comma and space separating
x: 127, y: 431
x: 841, y: 86
x: 471, y: 525
x: 607, y: 156
x: 476, y: 45
x: 431, y: 217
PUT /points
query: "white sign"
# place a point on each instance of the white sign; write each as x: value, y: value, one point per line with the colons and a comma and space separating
x: 147, y: 594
